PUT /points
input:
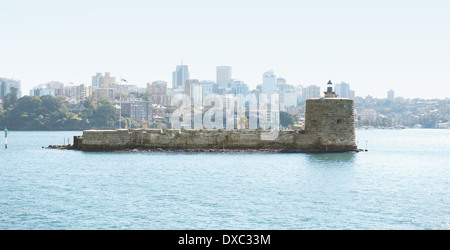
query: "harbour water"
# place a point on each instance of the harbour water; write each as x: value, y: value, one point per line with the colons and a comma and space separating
x: 402, y: 182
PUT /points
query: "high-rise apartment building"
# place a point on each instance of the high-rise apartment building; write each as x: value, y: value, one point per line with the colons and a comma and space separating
x: 100, y: 81
x: 289, y: 99
x: 239, y: 88
x: 223, y: 76
x: 137, y: 110
x: 104, y: 86
x: 352, y: 95
x: 312, y: 91
x: 157, y: 88
x: 81, y: 92
x: 7, y: 84
x: 157, y: 92
x: 343, y: 90
x: 187, y: 86
x: 210, y: 87
x: 194, y: 89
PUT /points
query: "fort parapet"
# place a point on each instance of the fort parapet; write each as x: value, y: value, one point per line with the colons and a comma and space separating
x: 329, y: 127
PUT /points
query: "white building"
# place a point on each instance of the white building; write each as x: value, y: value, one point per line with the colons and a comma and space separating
x: 391, y: 95
x: 223, y: 76
x: 7, y: 84
x: 104, y: 86
x: 312, y: 91
x: 290, y: 99
x: 369, y: 114
x: 42, y: 91
x: 269, y: 82
x: 343, y: 90
x: 196, y: 93
x: 445, y: 125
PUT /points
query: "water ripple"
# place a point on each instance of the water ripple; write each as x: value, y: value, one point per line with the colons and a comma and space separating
x: 401, y: 183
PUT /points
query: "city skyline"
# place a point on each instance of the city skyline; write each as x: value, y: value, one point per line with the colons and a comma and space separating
x: 375, y: 47
x: 316, y: 88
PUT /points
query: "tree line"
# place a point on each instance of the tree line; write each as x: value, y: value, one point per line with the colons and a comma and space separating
x: 51, y: 113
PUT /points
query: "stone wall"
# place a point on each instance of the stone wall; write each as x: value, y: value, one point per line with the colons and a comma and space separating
x: 332, y: 122
x: 329, y: 127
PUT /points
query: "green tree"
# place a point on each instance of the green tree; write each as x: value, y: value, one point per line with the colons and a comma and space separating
x: 2, y: 116
x: 104, y: 114
x: 25, y: 114
x: 429, y: 121
x: 46, y: 112
x: 10, y: 99
x: 286, y: 119
x: 385, y: 122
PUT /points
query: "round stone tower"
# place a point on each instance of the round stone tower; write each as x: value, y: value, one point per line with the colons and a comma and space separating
x: 331, y: 121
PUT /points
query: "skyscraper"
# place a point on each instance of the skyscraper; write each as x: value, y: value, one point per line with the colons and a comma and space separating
x: 342, y: 90
x: 312, y: 91
x: 269, y: 82
x: 180, y: 76
x: 352, y: 95
x: 7, y: 84
x: 196, y: 92
x: 391, y: 95
x: 239, y: 88
x: 210, y: 87
x: 188, y: 86
x: 223, y: 76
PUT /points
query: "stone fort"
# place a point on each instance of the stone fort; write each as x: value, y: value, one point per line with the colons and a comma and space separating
x: 329, y: 127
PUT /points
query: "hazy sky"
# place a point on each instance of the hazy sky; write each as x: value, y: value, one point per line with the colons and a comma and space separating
x: 373, y: 45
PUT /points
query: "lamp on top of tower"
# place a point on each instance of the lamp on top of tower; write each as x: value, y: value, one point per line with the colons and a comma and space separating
x: 330, y: 93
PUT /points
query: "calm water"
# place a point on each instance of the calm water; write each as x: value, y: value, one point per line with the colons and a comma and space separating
x: 403, y: 182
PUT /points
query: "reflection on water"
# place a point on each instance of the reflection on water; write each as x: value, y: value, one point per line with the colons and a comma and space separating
x: 331, y: 158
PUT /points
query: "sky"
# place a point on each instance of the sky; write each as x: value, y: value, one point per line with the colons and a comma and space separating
x: 374, y: 46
